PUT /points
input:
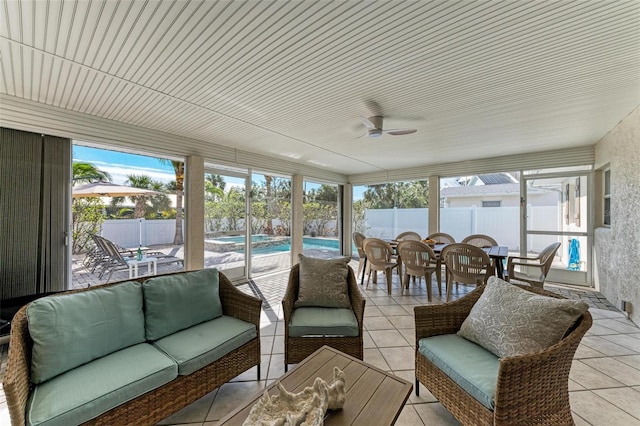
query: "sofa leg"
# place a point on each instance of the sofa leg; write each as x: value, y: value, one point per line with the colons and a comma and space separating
x: 417, y: 387
x: 286, y: 367
x: 258, y: 372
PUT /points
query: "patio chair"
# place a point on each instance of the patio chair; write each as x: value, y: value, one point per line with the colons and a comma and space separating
x: 533, y: 270
x: 441, y: 238
x: 466, y: 264
x: 310, y: 324
x: 531, y: 388
x: 419, y: 261
x: 358, y: 240
x: 480, y: 240
x: 380, y: 258
x: 408, y: 235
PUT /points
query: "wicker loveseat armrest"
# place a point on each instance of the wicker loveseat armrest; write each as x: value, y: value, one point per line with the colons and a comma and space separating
x: 546, y: 375
x: 17, y: 380
x: 237, y: 304
x: 433, y: 320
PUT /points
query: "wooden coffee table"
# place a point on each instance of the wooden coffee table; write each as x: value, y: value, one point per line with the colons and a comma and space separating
x: 373, y: 396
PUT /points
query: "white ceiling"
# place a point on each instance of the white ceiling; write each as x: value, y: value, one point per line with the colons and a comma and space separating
x: 290, y: 79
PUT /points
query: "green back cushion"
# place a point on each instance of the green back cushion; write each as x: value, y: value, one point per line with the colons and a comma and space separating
x: 176, y: 302
x: 72, y: 329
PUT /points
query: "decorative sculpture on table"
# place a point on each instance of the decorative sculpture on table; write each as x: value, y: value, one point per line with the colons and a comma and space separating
x: 306, y: 408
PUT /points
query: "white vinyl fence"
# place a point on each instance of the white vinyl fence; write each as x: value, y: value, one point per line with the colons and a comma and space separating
x: 134, y: 232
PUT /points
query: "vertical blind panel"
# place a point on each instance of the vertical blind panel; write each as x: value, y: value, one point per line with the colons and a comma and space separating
x: 20, y: 159
x: 56, y: 156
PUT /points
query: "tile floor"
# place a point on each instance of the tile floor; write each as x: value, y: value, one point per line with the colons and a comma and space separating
x: 604, y: 381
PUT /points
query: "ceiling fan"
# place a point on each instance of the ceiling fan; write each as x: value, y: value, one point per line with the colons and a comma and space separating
x: 375, y: 130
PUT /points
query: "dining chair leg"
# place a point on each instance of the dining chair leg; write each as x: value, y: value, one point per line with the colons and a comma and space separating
x: 404, y: 283
x: 389, y: 274
x: 449, y: 285
x: 427, y: 278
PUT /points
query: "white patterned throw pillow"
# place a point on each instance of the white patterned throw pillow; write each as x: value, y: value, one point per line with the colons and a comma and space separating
x: 323, y: 282
x: 511, y: 321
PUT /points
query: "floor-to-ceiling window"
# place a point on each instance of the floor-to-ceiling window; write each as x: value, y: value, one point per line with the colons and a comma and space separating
x: 565, y: 219
x: 386, y: 210
x: 484, y: 204
x: 321, y: 219
x: 270, y: 223
x: 225, y: 222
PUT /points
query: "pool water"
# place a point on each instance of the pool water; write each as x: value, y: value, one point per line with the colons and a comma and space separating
x: 308, y: 243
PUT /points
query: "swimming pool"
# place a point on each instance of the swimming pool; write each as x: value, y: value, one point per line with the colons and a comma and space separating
x: 266, y: 244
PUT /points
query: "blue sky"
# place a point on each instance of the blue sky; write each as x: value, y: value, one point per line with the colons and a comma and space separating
x: 120, y: 165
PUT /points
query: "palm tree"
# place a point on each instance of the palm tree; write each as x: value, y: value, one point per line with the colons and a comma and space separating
x: 178, y: 168
x: 88, y: 173
x: 144, y: 182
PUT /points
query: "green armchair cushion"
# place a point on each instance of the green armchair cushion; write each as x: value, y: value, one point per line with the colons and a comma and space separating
x: 323, y: 283
x: 205, y: 343
x: 315, y: 321
x: 511, y: 321
x: 175, y: 302
x: 472, y: 367
x: 69, y: 330
x: 89, y: 390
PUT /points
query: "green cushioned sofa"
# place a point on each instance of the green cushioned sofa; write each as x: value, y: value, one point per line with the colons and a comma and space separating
x: 131, y: 352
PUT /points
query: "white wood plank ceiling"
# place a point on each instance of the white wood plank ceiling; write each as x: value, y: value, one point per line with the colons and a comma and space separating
x: 290, y: 79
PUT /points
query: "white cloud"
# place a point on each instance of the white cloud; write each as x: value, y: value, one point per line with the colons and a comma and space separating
x: 120, y: 172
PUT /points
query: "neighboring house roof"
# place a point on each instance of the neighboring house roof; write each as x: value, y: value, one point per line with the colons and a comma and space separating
x: 495, y: 179
x: 499, y: 189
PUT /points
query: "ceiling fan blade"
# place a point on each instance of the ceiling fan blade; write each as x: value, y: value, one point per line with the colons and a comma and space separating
x: 398, y: 132
x: 367, y: 123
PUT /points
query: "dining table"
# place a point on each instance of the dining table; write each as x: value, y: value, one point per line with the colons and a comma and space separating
x: 497, y: 253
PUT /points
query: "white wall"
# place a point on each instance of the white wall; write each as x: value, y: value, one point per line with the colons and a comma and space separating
x: 617, y: 248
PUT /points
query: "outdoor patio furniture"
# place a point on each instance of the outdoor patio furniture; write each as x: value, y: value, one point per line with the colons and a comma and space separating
x: 466, y: 264
x: 533, y: 270
x: 419, y: 260
x: 479, y: 387
x: 380, y: 257
x: 358, y: 240
x: 408, y: 235
x: 441, y: 238
x: 156, y: 346
x: 320, y: 322
x: 480, y: 240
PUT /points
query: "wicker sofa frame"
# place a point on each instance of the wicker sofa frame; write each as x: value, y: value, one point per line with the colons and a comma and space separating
x: 531, y: 388
x: 298, y: 348
x: 155, y: 405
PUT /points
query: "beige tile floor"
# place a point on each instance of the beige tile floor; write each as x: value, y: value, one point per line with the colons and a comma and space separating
x: 604, y: 380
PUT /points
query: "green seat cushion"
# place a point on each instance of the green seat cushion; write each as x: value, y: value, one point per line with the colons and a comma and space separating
x: 176, y: 302
x: 314, y: 321
x: 204, y: 343
x: 94, y: 388
x: 472, y: 367
x: 69, y: 330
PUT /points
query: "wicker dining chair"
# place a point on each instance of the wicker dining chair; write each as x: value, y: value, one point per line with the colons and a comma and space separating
x: 540, y: 264
x: 480, y: 240
x: 380, y: 258
x: 358, y: 240
x: 419, y: 260
x: 466, y: 264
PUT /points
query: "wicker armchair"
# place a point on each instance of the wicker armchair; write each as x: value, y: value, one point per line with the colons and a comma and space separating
x: 531, y: 388
x: 298, y: 348
x: 540, y: 264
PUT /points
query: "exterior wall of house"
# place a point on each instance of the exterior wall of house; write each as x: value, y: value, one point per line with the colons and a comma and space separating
x: 617, y: 248
x: 507, y: 200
